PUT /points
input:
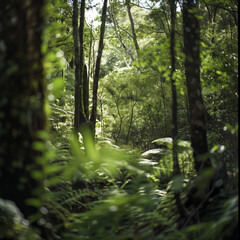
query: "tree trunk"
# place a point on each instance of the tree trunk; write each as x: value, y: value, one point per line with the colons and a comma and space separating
x: 133, y: 30
x: 90, y: 58
x: 83, y: 77
x: 22, y: 91
x: 77, y: 63
x: 97, y: 69
x: 192, y: 71
x: 86, y: 93
x: 176, y: 168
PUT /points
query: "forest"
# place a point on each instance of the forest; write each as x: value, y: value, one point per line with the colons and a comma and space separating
x: 119, y: 119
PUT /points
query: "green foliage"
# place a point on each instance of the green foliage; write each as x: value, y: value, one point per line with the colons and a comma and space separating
x: 115, y: 201
x: 216, y: 229
x: 163, y: 155
x: 122, y: 186
x: 104, y: 192
x: 163, y: 142
x: 130, y: 97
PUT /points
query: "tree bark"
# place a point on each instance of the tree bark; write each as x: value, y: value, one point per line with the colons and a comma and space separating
x: 176, y: 168
x: 86, y: 93
x: 77, y: 63
x: 97, y: 68
x: 83, y: 77
x: 192, y: 70
x: 22, y: 91
x: 90, y: 57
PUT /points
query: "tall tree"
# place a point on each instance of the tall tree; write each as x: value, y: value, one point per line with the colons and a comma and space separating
x: 86, y: 92
x: 83, y: 71
x: 97, y: 68
x: 192, y: 70
x: 176, y: 168
x: 80, y: 71
x: 22, y: 91
x: 87, y: 72
x: 77, y: 63
x: 134, y: 36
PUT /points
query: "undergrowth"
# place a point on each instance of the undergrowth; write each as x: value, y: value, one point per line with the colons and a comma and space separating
x: 104, y: 192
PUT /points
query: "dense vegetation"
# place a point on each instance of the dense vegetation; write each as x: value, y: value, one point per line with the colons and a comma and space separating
x: 119, y: 119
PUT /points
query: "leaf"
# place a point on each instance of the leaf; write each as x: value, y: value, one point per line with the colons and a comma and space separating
x: 177, y: 183
x: 58, y: 87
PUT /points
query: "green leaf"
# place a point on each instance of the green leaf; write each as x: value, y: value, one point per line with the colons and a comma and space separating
x: 177, y: 183
x: 58, y: 87
x: 34, y: 202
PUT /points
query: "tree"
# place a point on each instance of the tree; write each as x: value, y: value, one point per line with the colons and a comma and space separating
x: 83, y: 86
x: 97, y: 68
x: 77, y: 64
x: 117, y: 29
x: 134, y: 37
x: 22, y: 91
x: 86, y: 92
x: 81, y: 80
x: 192, y: 70
x: 176, y: 168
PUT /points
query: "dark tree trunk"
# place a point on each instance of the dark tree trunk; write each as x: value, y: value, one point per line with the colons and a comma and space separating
x: 97, y: 68
x: 192, y: 70
x: 77, y: 63
x: 79, y: 115
x: 22, y: 91
x: 90, y: 58
x: 176, y: 168
x: 83, y: 77
x: 86, y: 92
